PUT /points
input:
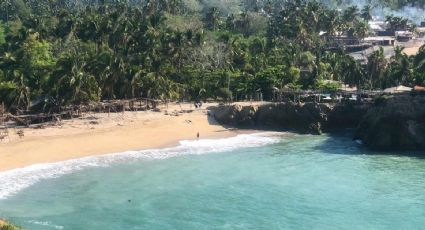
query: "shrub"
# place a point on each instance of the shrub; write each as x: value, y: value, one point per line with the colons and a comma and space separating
x: 225, y: 94
x: 381, y: 100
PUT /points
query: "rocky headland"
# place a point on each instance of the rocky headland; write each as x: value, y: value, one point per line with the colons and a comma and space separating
x: 394, y: 123
x: 389, y: 123
x: 309, y: 118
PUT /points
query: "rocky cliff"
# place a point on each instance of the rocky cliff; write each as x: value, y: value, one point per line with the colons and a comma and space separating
x: 304, y: 118
x: 390, y: 123
x: 394, y: 123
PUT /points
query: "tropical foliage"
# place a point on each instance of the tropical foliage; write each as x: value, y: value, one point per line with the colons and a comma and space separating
x: 58, y: 53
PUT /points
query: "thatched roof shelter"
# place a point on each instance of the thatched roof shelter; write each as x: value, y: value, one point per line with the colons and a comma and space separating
x: 398, y: 89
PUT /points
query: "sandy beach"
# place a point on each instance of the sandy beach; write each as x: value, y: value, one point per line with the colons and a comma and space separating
x: 98, y: 134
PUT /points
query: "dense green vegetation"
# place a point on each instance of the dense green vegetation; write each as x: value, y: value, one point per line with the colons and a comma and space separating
x: 56, y: 53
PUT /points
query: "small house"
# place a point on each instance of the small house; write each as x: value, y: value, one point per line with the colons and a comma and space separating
x: 404, y: 36
x: 385, y: 33
x: 381, y: 40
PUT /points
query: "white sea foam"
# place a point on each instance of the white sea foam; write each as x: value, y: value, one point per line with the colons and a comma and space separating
x: 46, y: 223
x: 15, y: 180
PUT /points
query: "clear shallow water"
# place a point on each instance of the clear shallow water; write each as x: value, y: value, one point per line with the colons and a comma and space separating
x: 293, y: 182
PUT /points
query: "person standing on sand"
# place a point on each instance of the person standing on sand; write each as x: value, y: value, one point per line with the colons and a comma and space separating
x: 197, y: 135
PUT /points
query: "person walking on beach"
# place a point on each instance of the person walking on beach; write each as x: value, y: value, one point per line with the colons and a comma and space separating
x: 197, y: 135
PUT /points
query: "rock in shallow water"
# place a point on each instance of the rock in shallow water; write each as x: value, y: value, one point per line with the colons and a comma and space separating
x: 394, y: 123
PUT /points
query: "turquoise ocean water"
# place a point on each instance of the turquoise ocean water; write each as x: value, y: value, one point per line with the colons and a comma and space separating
x: 258, y: 181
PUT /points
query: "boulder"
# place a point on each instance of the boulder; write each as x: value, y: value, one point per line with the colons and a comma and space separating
x: 227, y: 114
x: 247, y: 116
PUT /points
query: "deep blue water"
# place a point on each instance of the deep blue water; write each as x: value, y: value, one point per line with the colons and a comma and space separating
x: 293, y: 182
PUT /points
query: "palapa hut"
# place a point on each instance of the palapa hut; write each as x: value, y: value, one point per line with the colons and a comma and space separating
x: 398, y: 89
x: 419, y: 88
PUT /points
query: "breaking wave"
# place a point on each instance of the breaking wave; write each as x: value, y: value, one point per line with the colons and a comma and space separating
x: 13, y: 181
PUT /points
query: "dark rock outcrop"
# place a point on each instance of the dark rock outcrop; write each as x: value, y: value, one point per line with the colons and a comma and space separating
x: 305, y: 118
x: 311, y: 118
x: 391, y: 123
x: 394, y: 123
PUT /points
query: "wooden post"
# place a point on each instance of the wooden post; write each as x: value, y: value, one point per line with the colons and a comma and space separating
x: 2, y: 111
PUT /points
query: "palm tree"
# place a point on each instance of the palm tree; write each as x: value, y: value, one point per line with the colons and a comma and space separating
x: 350, y: 15
x: 72, y: 84
x: 400, y: 70
x: 361, y: 29
x: 376, y: 66
x: 212, y: 18
x: 366, y: 13
x: 6, y: 4
x: 419, y: 66
x: 20, y: 95
x: 175, y: 6
x: 331, y: 22
x: 352, y: 71
x: 244, y: 23
x: 397, y: 23
x: 313, y: 13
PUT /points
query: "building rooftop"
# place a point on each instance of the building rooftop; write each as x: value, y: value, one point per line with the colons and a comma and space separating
x: 379, y: 38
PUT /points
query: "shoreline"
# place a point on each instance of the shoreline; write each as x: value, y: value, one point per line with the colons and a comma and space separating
x: 102, y: 134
